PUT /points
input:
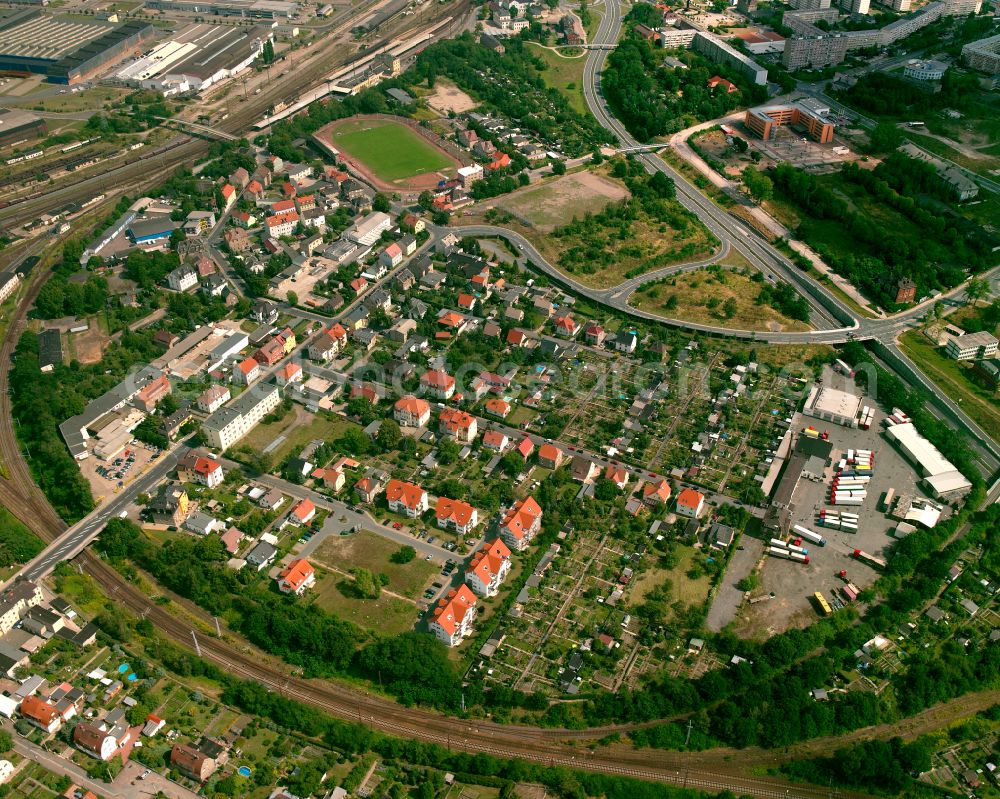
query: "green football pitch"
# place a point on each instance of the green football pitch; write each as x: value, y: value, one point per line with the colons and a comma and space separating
x: 389, y: 150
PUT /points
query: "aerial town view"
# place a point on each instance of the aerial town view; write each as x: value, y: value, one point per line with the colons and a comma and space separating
x: 499, y: 399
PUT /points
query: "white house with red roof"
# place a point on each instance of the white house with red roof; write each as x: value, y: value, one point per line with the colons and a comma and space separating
x: 521, y: 524
x: 454, y: 514
x: 488, y: 568
x: 451, y: 619
x: 594, y: 334
x: 566, y: 326
x: 391, y: 256
x: 690, y: 503
x: 406, y: 498
x: 438, y: 383
x: 296, y: 577
x: 303, y: 512
x: 281, y: 224
x: 411, y: 411
x: 246, y: 372
x: 201, y: 470
x: 289, y: 373
x: 458, y: 424
x: 495, y: 440
x: 228, y: 196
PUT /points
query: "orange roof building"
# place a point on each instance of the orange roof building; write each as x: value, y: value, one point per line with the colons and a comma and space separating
x: 296, y: 577
x: 550, y: 456
x: 458, y: 424
x: 451, y: 620
x: 454, y: 514
x: 406, y: 498
x: 690, y: 503
x: 488, y: 568
x: 498, y: 408
x: 495, y: 440
x: 525, y: 447
x: 617, y: 475
x: 521, y: 524
x: 411, y: 411
x: 303, y: 512
x: 40, y: 713
x: 657, y: 493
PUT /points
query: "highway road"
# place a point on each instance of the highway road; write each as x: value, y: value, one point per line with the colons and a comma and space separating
x: 733, y: 233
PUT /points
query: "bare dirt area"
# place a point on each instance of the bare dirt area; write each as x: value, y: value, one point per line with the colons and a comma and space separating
x: 88, y: 347
x: 447, y: 97
x: 558, y: 201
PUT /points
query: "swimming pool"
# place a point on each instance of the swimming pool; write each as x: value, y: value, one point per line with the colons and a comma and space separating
x: 244, y: 771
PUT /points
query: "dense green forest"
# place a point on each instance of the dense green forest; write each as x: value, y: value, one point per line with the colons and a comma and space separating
x: 42, y: 401
x: 935, y: 252
x: 652, y: 99
x: 17, y: 543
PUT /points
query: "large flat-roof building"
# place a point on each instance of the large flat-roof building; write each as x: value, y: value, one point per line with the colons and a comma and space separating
x: 229, y: 424
x: 832, y: 405
x: 810, y: 46
x: 198, y: 57
x: 940, y: 474
x: 250, y: 9
x: 983, y: 55
x: 66, y: 50
x: 972, y: 346
x: 18, y: 126
x: 765, y: 120
x: 685, y: 34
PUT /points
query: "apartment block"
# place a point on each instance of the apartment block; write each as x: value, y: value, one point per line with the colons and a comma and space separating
x: 229, y: 424
x: 766, y: 119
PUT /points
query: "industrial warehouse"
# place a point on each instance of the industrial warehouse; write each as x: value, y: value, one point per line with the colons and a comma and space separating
x: 251, y: 9
x: 19, y: 126
x: 64, y: 50
x: 198, y: 57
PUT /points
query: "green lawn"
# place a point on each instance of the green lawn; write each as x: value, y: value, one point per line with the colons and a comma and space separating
x: 386, y: 615
x: 390, y: 150
x: 366, y: 550
x: 564, y: 73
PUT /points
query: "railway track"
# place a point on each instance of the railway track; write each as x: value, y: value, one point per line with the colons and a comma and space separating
x: 185, y: 150
x: 709, y: 771
x: 715, y: 770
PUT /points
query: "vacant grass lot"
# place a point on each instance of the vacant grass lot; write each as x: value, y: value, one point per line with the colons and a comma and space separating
x: 558, y: 201
x: 701, y: 296
x: 390, y: 150
x: 366, y: 550
x: 955, y: 380
x: 564, y: 73
x: 297, y: 428
x: 386, y: 615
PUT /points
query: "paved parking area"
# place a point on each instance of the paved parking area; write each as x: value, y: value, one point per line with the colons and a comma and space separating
x: 794, y: 583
